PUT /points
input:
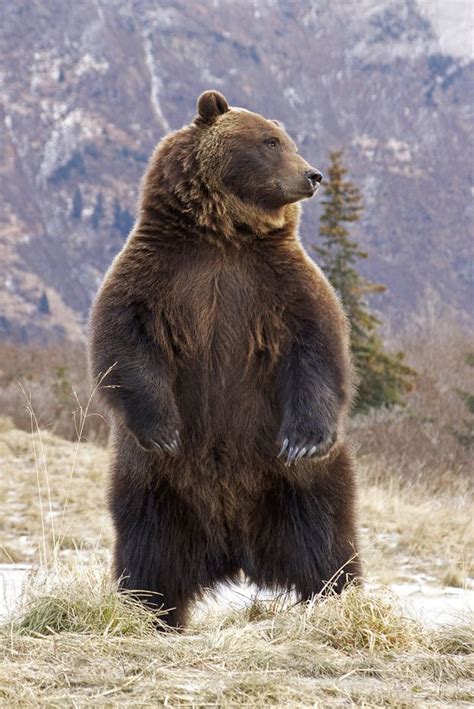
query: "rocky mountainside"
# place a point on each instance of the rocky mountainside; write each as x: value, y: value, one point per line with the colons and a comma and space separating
x: 88, y: 88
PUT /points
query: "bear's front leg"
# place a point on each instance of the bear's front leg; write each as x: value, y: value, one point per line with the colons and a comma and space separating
x: 153, y: 419
x: 315, y: 376
x: 134, y: 374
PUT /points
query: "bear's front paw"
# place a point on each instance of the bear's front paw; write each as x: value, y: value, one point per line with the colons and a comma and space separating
x: 155, y: 436
x: 160, y: 443
x: 294, y: 444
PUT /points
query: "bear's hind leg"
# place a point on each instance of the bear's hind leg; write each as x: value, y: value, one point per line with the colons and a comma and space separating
x: 304, y: 538
x: 163, y: 554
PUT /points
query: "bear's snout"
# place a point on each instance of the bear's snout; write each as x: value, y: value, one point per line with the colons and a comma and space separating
x: 314, y: 178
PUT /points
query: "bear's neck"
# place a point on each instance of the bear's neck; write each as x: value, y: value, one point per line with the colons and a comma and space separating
x: 261, y: 224
x: 220, y: 219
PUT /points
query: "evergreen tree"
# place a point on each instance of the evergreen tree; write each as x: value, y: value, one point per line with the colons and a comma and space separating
x: 77, y: 204
x: 383, y: 377
x: 43, y: 304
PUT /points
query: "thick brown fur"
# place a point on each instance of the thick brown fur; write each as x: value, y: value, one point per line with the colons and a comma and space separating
x: 226, y: 344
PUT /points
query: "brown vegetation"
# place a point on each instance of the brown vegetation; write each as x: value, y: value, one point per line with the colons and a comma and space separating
x: 418, y: 443
x: 55, y: 380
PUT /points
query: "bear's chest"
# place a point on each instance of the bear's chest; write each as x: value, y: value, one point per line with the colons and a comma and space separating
x: 227, y: 314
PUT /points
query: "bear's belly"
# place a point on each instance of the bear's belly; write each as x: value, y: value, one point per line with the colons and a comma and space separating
x: 228, y: 336
x: 229, y: 407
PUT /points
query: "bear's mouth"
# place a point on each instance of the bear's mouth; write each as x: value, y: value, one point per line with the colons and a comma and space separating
x: 312, y: 190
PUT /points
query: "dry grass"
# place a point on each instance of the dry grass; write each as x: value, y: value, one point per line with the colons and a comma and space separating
x: 34, y: 492
x: 76, y: 643
x: 78, y: 598
x: 409, y: 529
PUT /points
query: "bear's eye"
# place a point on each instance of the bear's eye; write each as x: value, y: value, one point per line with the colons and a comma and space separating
x: 272, y: 143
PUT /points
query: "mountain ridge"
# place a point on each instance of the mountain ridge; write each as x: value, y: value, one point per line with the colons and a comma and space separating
x: 96, y: 85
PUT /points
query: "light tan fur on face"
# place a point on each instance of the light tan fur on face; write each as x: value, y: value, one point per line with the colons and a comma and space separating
x: 213, y: 156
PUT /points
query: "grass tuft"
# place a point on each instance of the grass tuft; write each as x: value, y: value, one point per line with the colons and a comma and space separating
x: 455, y: 576
x: 363, y: 620
x: 83, y: 601
x: 457, y: 639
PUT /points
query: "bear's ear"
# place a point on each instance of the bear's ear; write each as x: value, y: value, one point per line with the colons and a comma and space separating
x: 210, y: 105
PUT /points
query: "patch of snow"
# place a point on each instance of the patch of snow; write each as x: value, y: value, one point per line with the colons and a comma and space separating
x: 65, y: 138
x: 449, y: 28
x: 292, y: 97
x: 163, y: 17
x: 452, y: 23
x: 87, y: 63
x: 12, y: 579
x: 431, y: 605
x: 400, y: 149
x: 389, y: 539
x: 155, y: 81
x: 210, y: 79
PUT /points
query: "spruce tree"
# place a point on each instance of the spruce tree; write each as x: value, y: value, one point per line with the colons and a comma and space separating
x: 43, y: 304
x: 383, y: 377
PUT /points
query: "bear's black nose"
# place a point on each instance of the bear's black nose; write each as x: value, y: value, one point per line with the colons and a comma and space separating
x: 314, y: 176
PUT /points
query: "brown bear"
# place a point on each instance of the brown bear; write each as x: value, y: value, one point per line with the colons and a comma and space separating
x: 229, y: 374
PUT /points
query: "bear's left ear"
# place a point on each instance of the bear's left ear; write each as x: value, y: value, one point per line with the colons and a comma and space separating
x: 210, y: 105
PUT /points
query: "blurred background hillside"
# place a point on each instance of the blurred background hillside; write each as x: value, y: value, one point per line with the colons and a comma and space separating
x: 88, y: 88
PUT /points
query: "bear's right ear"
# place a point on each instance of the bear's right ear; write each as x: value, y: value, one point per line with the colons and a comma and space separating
x: 210, y: 105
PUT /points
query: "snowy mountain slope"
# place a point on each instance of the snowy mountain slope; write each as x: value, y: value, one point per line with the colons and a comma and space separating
x: 88, y: 88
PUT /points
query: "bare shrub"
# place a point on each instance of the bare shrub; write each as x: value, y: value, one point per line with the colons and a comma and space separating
x: 56, y: 381
x: 418, y: 443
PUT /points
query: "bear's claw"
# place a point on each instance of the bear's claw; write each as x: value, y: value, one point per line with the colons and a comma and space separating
x: 305, y: 449
x: 171, y: 447
x: 283, y: 448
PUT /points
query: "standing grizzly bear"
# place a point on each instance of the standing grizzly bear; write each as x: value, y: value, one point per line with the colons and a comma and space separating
x: 229, y: 374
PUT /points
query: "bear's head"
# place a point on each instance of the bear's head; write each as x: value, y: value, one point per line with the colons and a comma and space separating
x: 230, y: 171
x: 250, y: 156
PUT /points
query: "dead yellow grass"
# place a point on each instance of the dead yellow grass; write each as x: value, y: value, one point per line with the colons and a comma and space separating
x: 76, y: 643
x: 34, y: 492
x: 410, y: 529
